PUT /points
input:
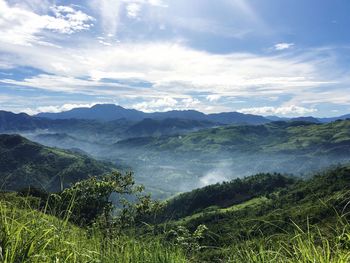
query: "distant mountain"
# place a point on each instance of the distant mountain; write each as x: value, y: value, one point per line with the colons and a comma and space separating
x: 19, y: 122
x: 343, y: 117
x: 306, y: 119
x: 24, y: 163
x: 109, y: 112
x: 276, y: 118
x: 310, y: 119
x: 104, y: 112
x: 177, y: 114
x: 237, y: 118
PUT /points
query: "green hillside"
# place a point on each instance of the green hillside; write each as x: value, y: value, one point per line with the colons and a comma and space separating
x: 281, y: 137
x: 226, y: 194
x: 271, y: 221
x: 261, y: 218
x: 24, y: 163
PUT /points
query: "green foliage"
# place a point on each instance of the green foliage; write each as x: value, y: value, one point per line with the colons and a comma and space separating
x: 189, y: 242
x: 304, y: 221
x: 89, y: 199
x: 225, y: 194
x: 27, y: 164
x: 28, y: 236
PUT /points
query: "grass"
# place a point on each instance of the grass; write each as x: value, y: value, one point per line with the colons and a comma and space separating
x: 215, y: 210
x: 311, y: 246
x: 27, y: 235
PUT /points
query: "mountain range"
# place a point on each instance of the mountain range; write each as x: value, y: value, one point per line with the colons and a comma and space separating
x: 110, y: 112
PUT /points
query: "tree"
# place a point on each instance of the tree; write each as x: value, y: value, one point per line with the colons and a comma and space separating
x: 89, y: 200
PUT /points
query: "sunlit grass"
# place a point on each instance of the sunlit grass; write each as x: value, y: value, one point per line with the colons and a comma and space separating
x: 314, y: 245
x: 27, y: 235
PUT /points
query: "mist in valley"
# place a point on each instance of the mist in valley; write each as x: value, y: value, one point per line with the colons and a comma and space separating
x: 167, y: 173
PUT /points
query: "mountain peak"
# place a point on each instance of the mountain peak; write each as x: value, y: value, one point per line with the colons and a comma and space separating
x: 102, y: 112
x: 107, y: 107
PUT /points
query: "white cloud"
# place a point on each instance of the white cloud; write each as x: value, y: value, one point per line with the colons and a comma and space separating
x: 64, y: 84
x: 133, y: 10
x: 162, y: 104
x: 109, y: 14
x: 37, y: 6
x: 190, y: 103
x: 60, y: 108
x: 284, y: 46
x: 213, y: 97
x: 56, y: 108
x: 291, y: 110
x: 168, y: 103
x: 23, y: 27
x: 68, y: 20
x: 173, y: 69
x: 157, y: 3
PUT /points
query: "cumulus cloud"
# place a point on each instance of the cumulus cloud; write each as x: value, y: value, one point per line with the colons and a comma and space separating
x: 23, y: 27
x: 172, y: 69
x: 283, y: 46
x: 167, y: 103
x: 291, y: 110
x: 162, y: 104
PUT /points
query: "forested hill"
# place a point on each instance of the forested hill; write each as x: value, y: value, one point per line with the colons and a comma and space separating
x: 265, y: 208
x: 226, y: 194
x: 24, y: 163
x: 277, y: 191
x: 275, y: 137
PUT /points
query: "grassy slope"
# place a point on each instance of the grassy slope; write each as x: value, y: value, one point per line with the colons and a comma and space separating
x: 27, y: 235
x: 308, y: 215
x: 24, y: 163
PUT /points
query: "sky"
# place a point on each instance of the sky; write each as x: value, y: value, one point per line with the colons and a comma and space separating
x: 266, y: 57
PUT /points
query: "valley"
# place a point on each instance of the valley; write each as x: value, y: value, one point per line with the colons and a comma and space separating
x: 221, y: 189
x: 170, y: 156
x: 187, y: 131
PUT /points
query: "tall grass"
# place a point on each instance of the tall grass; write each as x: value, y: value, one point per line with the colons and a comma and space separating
x: 313, y: 245
x: 27, y: 235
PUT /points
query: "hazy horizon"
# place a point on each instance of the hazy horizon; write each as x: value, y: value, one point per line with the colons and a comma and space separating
x: 65, y: 108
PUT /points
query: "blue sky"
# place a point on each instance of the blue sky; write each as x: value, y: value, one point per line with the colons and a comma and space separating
x: 267, y: 57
